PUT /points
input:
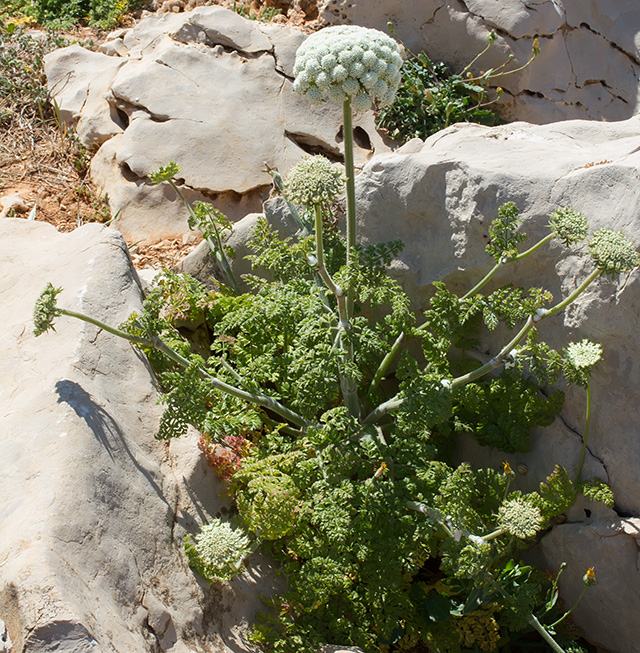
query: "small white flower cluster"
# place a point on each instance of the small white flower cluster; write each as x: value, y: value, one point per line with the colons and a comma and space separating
x: 349, y: 61
x: 584, y: 354
x: 314, y: 181
x: 221, y: 549
x: 569, y: 225
x: 613, y: 252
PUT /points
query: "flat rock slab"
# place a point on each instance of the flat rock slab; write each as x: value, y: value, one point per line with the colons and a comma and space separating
x: 93, y: 507
x: 207, y: 89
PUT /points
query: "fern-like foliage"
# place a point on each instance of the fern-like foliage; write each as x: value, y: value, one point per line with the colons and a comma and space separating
x: 386, y: 544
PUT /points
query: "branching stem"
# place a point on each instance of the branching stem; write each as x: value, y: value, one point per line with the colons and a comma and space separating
x: 544, y: 633
x: 395, y: 402
x: 215, y: 244
x: 571, y: 609
x: 250, y: 397
x: 391, y: 356
x: 504, y: 261
x: 347, y: 384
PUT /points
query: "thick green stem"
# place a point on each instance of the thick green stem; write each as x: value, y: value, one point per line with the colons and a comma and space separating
x: 485, y: 280
x: 495, y: 362
x: 395, y: 402
x: 321, y: 264
x: 544, y: 633
x: 253, y: 398
x: 347, y: 384
x: 136, y: 340
x: 387, y: 362
x: 558, y: 308
x: 494, y: 535
x: 585, y: 436
x: 527, y: 252
x: 347, y: 126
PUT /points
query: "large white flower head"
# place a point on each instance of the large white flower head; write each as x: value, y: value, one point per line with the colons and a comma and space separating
x: 520, y: 518
x: 579, y: 360
x: 349, y: 61
x: 612, y: 252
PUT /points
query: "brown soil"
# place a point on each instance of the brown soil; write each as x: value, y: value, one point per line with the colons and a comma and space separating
x: 165, y: 253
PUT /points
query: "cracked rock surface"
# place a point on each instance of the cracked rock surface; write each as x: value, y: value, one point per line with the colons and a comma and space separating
x: 589, y: 65
x: 93, y: 507
x: 440, y: 196
x: 208, y: 89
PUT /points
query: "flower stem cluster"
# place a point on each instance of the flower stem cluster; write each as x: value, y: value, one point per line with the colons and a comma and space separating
x: 46, y: 310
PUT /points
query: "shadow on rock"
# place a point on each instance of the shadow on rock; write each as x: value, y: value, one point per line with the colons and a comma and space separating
x: 102, y: 425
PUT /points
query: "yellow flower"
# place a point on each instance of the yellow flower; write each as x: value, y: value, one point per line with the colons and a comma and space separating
x: 589, y: 577
x: 506, y: 468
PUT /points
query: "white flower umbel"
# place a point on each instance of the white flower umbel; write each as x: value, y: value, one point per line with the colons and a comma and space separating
x: 314, y: 181
x: 220, y: 550
x: 583, y: 354
x: 580, y: 358
x: 349, y: 61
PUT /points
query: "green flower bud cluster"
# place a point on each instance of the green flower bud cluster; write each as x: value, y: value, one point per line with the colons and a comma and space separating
x: 165, y: 173
x: 314, y: 181
x: 269, y: 505
x: 568, y: 225
x: 46, y: 310
x: 218, y: 551
x: 348, y: 61
x: 613, y: 252
x: 520, y: 518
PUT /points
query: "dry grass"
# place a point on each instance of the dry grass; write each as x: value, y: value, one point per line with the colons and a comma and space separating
x: 40, y: 159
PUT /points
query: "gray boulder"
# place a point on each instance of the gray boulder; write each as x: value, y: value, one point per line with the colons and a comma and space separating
x: 610, y: 546
x: 94, y: 508
x: 208, y: 89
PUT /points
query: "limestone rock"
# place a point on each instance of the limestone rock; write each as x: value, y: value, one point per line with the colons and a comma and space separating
x: 210, y: 90
x: 607, y: 610
x: 12, y: 202
x: 94, y: 508
x: 589, y: 63
x: 79, y: 80
x: 439, y: 200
